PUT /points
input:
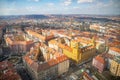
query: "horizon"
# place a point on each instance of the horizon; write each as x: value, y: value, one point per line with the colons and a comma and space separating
x: 62, y: 7
x: 63, y: 14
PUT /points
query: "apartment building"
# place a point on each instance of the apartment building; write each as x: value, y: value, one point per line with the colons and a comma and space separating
x: 45, y: 63
x: 18, y: 43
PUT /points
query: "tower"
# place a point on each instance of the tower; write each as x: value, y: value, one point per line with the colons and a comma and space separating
x: 94, y: 41
x: 37, y: 53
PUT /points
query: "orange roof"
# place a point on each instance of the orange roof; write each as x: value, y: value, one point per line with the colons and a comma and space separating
x: 116, y: 42
x: 29, y: 42
x: 115, y: 49
x: 29, y: 61
x: 9, y: 40
x: 87, y: 33
x: 83, y: 40
x: 52, y: 41
x: 61, y: 45
x: 36, y: 34
x: 61, y: 31
x: 68, y: 48
x: 57, y: 58
x: 38, y: 67
x: 49, y: 37
x: 100, y: 59
x: 39, y: 35
x: 57, y: 54
x: 90, y: 47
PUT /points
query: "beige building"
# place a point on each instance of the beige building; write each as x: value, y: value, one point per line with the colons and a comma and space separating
x: 18, y: 43
x: 45, y: 63
x: 115, y: 66
x: 41, y: 35
x: 114, y: 51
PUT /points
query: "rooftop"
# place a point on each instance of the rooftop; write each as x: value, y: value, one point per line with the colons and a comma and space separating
x: 115, y: 49
x: 17, y: 39
x: 51, y: 58
x: 43, y: 36
x: 84, y: 43
x: 100, y: 59
x: 7, y: 71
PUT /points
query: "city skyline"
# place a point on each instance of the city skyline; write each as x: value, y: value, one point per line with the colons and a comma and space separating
x: 59, y: 40
x: 27, y: 7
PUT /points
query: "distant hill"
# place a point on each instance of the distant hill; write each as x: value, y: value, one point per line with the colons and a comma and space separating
x: 23, y: 16
x: 97, y: 19
x: 84, y: 17
x: 80, y: 17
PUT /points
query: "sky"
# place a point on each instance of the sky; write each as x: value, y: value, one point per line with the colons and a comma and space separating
x: 24, y: 7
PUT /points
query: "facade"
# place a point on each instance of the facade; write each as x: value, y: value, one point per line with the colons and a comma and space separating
x: 114, y: 51
x: 98, y: 27
x: 99, y: 63
x: 79, y: 50
x: 42, y: 36
x: 95, y: 27
x: 79, y: 54
x: 44, y: 63
x: 7, y: 71
x: 109, y: 58
x: 18, y: 43
x: 115, y: 66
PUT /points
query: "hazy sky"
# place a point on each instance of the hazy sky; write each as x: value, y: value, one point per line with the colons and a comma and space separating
x: 18, y: 7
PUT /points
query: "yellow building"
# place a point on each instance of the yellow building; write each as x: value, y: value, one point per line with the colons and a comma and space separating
x: 79, y: 53
x: 78, y: 49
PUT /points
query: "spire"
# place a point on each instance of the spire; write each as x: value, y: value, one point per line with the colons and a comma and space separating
x: 94, y: 40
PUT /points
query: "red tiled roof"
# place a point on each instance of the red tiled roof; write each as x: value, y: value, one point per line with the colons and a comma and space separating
x: 68, y: 48
x: 36, y: 34
x: 61, y: 45
x: 9, y: 73
x: 115, y: 49
x: 18, y: 42
x: 38, y: 67
x: 29, y: 61
x: 39, y: 35
x: 100, y: 59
